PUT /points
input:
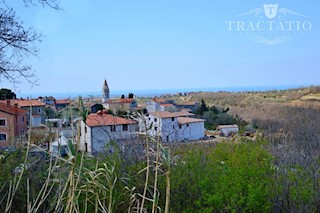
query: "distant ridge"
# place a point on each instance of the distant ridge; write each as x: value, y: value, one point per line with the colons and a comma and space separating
x: 154, y: 92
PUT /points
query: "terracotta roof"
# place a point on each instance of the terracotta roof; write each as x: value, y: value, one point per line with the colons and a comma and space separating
x: 184, y: 120
x: 121, y: 100
x: 167, y: 105
x: 102, y: 119
x: 159, y: 100
x: 11, y: 109
x: 166, y: 114
x: 64, y: 101
x: 27, y: 103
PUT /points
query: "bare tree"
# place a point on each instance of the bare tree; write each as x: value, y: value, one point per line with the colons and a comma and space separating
x: 18, y: 42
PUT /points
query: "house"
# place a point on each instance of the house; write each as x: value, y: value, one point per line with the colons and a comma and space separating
x: 101, y: 128
x: 47, y: 100
x: 193, y: 106
x: 95, y: 107
x: 123, y: 104
x: 227, y: 130
x: 35, y: 109
x: 13, y: 123
x: 173, y: 126
x: 60, y: 147
x: 167, y: 107
x: 159, y: 104
x: 61, y: 104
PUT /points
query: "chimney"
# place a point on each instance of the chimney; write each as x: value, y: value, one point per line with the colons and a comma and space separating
x: 16, y: 105
x: 8, y: 102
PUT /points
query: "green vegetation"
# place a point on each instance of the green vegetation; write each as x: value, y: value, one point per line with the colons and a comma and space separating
x: 215, y: 116
x: 277, y: 171
x: 7, y: 94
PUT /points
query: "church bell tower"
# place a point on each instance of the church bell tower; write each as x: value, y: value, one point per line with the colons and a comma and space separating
x: 105, y: 92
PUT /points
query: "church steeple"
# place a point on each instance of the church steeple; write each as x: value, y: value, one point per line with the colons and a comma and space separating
x: 105, y: 92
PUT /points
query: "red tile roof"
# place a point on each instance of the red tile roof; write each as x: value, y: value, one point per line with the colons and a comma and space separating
x: 159, y: 100
x: 64, y: 101
x: 166, y: 114
x: 27, y: 103
x: 102, y: 119
x: 11, y: 109
x: 184, y: 120
x: 167, y: 105
x: 121, y: 100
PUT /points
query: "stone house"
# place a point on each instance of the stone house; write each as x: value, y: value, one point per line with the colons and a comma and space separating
x: 13, y: 124
x: 101, y: 128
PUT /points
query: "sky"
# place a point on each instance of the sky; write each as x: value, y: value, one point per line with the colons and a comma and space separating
x: 170, y: 44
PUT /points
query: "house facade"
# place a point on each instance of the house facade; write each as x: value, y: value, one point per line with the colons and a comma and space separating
x: 61, y: 104
x: 173, y: 126
x: 13, y: 124
x: 101, y: 128
x: 36, y: 114
x: 193, y: 106
x: 159, y: 104
x: 123, y: 104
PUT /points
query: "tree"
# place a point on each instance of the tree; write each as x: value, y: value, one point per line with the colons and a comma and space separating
x: 203, y: 108
x: 18, y: 42
x: 131, y: 95
x: 7, y: 94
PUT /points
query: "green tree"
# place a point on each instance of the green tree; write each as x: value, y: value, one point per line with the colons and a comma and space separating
x: 7, y: 94
x: 203, y: 108
x: 131, y: 95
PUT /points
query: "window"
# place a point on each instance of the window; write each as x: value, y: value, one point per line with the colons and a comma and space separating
x: 155, y: 128
x: 155, y: 119
x: 22, y: 119
x: 113, y: 128
x: 125, y: 127
x: 172, y: 126
x: 180, y: 126
x: 172, y: 119
x: 39, y: 110
x: 2, y: 122
x: 187, y: 125
x: 85, y: 129
x: 3, y: 136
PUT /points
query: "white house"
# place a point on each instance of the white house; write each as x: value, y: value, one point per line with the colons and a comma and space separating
x: 101, y: 128
x: 60, y: 146
x: 174, y: 126
x: 159, y: 104
x: 227, y: 130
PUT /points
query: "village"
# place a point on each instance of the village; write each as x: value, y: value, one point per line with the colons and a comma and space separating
x: 90, y: 124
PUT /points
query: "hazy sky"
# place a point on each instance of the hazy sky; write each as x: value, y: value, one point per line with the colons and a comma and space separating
x: 168, y: 44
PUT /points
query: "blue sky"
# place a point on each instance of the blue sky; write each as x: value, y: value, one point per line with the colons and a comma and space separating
x: 167, y: 44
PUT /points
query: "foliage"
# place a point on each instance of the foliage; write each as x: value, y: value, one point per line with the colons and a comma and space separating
x: 7, y: 94
x: 228, y: 177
